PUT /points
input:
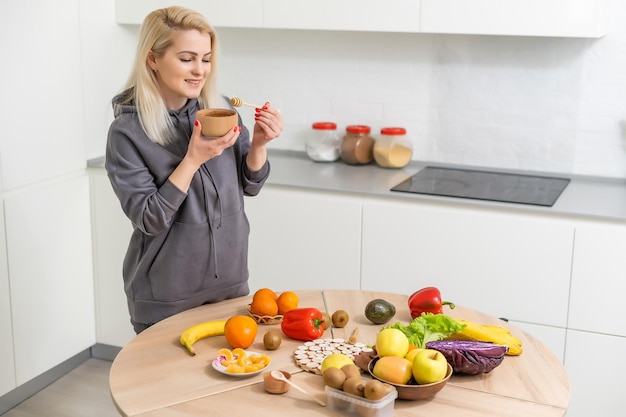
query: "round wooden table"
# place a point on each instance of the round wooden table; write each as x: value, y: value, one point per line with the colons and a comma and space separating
x: 154, y: 375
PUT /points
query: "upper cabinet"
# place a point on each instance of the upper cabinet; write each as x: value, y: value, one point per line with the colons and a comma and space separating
x: 231, y: 13
x: 357, y: 15
x: 559, y: 18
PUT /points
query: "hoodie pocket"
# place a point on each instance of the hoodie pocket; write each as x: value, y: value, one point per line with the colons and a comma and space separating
x: 182, y: 265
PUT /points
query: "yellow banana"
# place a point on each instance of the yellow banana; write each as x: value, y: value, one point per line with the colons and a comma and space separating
x: 489, y: 333
x: 201, y: 331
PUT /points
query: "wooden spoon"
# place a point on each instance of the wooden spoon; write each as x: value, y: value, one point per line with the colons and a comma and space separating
x: 279, y: 375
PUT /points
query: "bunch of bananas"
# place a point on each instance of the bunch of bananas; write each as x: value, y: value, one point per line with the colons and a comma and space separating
x: 201, y: 331
x: 488, y: 333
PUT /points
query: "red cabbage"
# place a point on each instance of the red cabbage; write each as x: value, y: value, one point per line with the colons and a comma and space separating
x: 470, y: 357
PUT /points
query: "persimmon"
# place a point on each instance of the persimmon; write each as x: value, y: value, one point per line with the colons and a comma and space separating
x: 240, y: 331
x: 287, y: 300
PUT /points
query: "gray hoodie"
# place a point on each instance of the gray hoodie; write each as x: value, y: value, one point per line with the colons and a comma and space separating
x: 186, y: 249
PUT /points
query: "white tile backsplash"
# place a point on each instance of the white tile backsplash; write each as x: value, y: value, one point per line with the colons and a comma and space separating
x: 542, y: 104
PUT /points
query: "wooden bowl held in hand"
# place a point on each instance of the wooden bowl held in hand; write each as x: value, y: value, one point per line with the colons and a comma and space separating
x: 415, y: 392
x: 216, y: 122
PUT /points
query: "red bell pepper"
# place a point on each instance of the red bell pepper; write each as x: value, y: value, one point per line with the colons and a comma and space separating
x: 427, y: 300
x: 303, y: 324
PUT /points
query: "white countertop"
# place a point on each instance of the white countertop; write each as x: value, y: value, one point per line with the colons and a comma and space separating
x: 584, y: 196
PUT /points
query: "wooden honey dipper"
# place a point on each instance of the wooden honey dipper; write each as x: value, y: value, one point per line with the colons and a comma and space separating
x: 237, y: 102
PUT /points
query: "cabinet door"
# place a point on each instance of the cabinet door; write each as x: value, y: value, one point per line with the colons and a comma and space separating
x: 303, y: 240
x: 506, y: 265
x: 359, y: 15
x: 220, y: 13
x: 594, y: 363
x: 575, y: 18
x: 552, y: 337
x: 7, y: 376
x: 111, y: 234
x: 48, y: 233
x: 599, y: 268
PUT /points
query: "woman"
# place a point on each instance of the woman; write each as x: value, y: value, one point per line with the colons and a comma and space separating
x: 182, y: 192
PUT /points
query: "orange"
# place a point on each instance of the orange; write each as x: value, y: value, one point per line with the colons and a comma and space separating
x: 265, y: 292
x: 263, y: 305
x: 240, y: 331
x: 286, y: 301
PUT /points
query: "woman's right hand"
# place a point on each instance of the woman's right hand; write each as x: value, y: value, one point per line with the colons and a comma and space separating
x: 199, y: 151
x: 202, y: 149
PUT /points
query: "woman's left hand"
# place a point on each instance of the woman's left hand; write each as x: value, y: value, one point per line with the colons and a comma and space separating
x: 268, y: 125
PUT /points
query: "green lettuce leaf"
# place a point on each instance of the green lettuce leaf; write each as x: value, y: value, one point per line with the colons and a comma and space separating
x: 428, y: 327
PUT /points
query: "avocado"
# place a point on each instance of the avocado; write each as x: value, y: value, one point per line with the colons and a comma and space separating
x: 379, y: 311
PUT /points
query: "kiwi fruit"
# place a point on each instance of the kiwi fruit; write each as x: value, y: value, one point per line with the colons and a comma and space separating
x: 340, y: 318
x: 388, y: 387
x: 354, y: 386
x: 374, y: 390
x: 334, y: 377
x: 328, y: 321
x: 351, y: 371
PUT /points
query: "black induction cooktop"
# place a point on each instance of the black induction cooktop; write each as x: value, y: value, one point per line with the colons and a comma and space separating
x: 485, y: 185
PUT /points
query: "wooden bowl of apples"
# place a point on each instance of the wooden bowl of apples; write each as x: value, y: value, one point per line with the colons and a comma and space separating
x: 413, y: 390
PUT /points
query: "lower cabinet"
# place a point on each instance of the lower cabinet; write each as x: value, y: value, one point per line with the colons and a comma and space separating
x: 111, y: 230
x: 303, y: 240
x: 48, y: 238
x: 7, y: 364
x: 599, y: 279
x: 552, y: 337
x: 505, y: 264
x: 559, y: 279
x: 595, y: 363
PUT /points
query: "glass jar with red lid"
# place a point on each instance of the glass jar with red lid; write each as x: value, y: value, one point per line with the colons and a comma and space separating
x: 322, y: 142
x: 357, y: 146
x: 392, y: 148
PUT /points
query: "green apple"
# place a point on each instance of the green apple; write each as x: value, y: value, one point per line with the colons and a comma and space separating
x: 393, y: 369
x: 429, y: 366
x: 392, y: 342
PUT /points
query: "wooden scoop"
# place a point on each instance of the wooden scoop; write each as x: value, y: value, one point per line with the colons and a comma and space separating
x: 279, y: 375
x: 237, y: 102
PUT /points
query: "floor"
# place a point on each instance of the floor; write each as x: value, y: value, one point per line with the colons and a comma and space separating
x: 84, y: 392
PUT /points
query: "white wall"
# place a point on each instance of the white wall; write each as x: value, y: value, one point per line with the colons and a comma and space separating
x: 547, y: 104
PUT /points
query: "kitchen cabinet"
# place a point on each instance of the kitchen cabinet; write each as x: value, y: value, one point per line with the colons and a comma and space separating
x: 7, y: 376
x: 594, y: 363
x: 504, y: 264
x: 112, y: 231
x: 231, y: 13
x: 552, y: 337
x: 359, y: 15
x: 562, y: 18
x: 301, y: 239
x: 48, y: 238
x: 598, y: 278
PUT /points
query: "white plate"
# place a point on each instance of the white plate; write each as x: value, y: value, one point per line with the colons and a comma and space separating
x: 222, y: 369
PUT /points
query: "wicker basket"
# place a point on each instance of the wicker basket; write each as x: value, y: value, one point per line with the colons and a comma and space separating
x: 265, y: 319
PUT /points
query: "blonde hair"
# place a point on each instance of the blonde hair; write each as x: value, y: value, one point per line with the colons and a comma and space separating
x: 156, y: 35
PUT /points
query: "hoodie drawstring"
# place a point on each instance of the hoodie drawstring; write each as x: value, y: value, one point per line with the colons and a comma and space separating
x: 208, y: 211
